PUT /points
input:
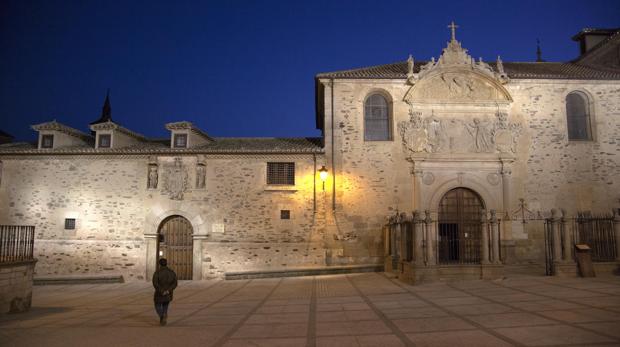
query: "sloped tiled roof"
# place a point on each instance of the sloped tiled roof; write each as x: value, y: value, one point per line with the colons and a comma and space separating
x: 515, y: 70
x: 221, y: 145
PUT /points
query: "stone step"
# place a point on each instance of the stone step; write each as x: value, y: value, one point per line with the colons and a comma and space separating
x: 309, y: 271
x: 90, y: 279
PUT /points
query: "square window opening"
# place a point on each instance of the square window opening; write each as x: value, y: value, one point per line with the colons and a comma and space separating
x: 69, y: 223
x: 285, y: 214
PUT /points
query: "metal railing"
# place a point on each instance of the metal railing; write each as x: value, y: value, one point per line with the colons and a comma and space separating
x: 16, y: 243
x: 597, y: 231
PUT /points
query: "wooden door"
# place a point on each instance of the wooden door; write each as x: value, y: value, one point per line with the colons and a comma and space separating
x: 177, y: 246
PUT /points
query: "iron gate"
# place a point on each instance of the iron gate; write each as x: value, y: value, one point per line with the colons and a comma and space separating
x: 460, y: 228
x: 597, y: 231
x: 176, y: 245
x: 548, y: 231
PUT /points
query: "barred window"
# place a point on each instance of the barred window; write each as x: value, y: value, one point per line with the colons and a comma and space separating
x: 281, y: 173
x: 69, y: 223
x: 377, y: 122
x: 47, y: 141
x: 180, y: 140
x: 105, y: 141
x: 578, y: 116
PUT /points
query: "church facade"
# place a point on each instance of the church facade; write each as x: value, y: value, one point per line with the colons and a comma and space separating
x: 443, y: 141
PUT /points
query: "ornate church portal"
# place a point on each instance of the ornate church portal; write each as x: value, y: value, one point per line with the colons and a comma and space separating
x: 176, y: 245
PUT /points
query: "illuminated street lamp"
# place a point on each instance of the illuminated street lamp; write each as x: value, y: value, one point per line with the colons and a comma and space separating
x: 323, y: 175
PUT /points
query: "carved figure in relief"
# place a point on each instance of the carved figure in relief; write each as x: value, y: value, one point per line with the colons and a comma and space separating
x: 200, y: 176
x: 152, y: 178
x: 434, y: 129
x: 483, y: 137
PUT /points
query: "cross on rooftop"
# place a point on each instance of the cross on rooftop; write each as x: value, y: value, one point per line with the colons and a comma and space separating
x: 453, y: 27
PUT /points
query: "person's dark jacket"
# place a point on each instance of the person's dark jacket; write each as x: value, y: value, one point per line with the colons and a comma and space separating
x: 164, y: 281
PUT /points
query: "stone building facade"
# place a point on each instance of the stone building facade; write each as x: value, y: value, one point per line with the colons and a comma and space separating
x: 399, y: 137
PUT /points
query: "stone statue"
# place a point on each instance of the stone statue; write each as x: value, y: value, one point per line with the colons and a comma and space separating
x: 200, y: 176
x: 483, y: 137
x: 152, y: 181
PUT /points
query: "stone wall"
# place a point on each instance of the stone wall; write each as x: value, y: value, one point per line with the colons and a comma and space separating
x: 374, y: 179
x: 16, y: 286
x: 236, y: 214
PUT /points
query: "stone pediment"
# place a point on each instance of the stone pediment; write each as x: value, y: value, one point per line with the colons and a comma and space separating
x: 452, y: 85
x: 456, y: 78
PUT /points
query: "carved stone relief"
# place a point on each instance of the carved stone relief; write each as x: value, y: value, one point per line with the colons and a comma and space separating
x: 175, y: 180
x: 493, y: 179
x: 453, y: 87
x: 428, y: 178
x: 453, y: 135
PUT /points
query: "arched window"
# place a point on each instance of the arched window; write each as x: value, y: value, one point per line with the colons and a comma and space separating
x: 578, y: 116
x: 377, y: 122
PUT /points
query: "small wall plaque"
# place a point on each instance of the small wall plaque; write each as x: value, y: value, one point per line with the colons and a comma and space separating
x: 217, y: 228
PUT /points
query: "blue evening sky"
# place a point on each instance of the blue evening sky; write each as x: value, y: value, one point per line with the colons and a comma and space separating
x: 243, y: 68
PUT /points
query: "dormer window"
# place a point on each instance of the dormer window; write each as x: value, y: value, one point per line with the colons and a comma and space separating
x: 47, y: 141
x: 180, y: 140
x: 105, y: 141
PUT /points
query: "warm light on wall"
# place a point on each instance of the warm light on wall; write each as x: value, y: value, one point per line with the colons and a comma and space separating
x: 323, y: 175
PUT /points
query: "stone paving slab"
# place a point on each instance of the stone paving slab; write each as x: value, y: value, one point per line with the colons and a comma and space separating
x: 369, y: 309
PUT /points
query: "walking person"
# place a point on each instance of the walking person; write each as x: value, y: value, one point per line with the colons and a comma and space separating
x: 164, y: 281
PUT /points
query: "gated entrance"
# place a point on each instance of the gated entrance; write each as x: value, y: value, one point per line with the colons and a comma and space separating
x: 176, y: 245
x: 460, y: 228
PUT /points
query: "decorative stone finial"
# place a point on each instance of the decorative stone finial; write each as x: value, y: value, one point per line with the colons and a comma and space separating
x: 453, y: 27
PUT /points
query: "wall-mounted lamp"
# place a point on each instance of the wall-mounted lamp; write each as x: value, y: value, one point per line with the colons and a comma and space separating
x: 323, y: 175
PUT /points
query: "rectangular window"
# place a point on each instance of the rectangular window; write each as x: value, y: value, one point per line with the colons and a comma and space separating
x: 105, y: 141
x: 69, y: 223
x: 180, y: 140
x: 47, y: 141
x: 285, y: 214
x: 281, y: 173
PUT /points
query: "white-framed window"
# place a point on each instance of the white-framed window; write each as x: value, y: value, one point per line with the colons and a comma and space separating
x: 105, y: 141
x: 179, y: 141
x: 47, y: 141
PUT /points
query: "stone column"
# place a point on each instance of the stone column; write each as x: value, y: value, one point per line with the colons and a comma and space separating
x: 495, y: 237
x: 557, y: 238
x: 416, y: 175
x: 506, y: 186
x: 430, y: 244
x: 568, y: 240
x: 617, y: 232
x: 151, y: 255
x: 197, y: 257
x: 418, y: 237
x: 485, y: 237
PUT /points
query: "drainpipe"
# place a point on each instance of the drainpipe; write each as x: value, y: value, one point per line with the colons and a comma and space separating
x: 333, y: 149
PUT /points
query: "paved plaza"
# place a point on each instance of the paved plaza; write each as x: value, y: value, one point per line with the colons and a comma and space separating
x: 341, y: 310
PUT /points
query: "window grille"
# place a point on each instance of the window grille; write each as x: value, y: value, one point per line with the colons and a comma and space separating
x: 285, y: 214
x: 105, y: 141
x: 578, y: 117
x: 281, y: 173
x: 47, y: 141
x: 377, y: 124
x: 69, y: 223
x: 180, y: 140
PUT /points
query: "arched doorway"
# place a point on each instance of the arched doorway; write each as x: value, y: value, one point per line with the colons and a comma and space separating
x: 176, y: 245
x: 460, y: 228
